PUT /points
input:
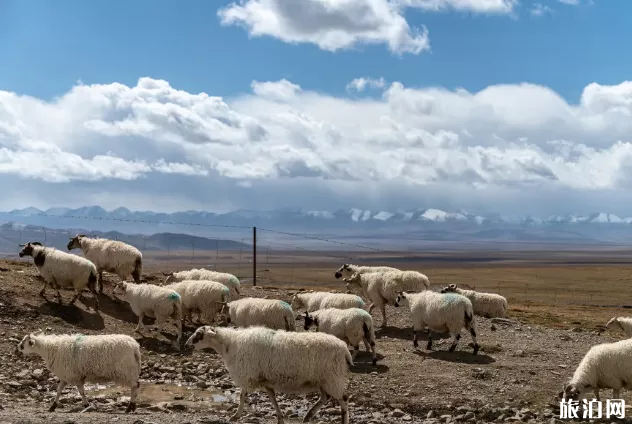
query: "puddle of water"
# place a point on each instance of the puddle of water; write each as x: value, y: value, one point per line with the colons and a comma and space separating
x: 192, y: 397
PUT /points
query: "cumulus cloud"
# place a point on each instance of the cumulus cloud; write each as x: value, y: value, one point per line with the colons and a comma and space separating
x: 476, y: 6
x: 407, y: 147
x: 360, y: 84
x: 330, y: 25
x: 570, y: 2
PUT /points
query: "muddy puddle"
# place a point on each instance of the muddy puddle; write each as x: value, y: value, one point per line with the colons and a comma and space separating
x: 192, y: 397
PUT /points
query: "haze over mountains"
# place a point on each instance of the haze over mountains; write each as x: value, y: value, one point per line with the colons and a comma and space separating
x: 418, y: 227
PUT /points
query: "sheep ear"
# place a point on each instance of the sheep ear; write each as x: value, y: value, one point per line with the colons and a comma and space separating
x: 21, y: 245
x: 81, y: 235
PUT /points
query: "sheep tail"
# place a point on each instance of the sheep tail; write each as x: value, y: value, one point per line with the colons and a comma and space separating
x: 367, y: 332
x: 468, y: 320
x: 349, y: 358
x: 138, y: 269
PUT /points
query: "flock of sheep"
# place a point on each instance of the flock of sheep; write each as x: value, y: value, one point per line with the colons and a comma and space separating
x: 258, y: 341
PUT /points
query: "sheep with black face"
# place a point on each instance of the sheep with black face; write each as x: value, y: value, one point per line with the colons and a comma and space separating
x: 62, y: 270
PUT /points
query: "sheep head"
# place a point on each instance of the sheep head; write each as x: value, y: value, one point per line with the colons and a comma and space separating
x: 203, y: 337
x: 344, y: 269
x: 28, y: 248
x: 75, y: 242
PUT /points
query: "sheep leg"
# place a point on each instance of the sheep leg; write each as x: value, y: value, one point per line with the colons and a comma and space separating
x: 367, y: 345
x: 344, y: 408
x: 615, y: 393
x: 596, y: 391
x: 319, y: 404
x: 74, y: 299
x: 473, y: 334
x: 41, y: 293
x: 100, y: 281
x: 60, y: 387
x: 371, y: 307
x: 372, y: 344
x: 455, y: 341
x: 140, y: 323
x: 240, y: 408
x: 273, y: 400
x: 429, y: 345
x: 84, y: 399
x: 356, y: 349
x: 131, y: 407
x: 383, y: 310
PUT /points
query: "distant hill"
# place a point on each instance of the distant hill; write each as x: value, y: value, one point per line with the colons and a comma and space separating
x: 13, y: 234
x: 423, y: 228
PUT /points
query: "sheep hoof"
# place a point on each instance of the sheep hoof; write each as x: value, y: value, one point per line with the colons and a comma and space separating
x: 52, y: 407
x: 131, y: 407
x: 476, y: 347
x: 415, y: 343
x: 374, y: 362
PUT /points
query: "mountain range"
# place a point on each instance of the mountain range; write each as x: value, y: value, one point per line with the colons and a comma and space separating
x: 427, y: 225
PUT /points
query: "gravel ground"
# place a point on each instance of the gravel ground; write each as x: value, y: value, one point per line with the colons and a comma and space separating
x: 514, y: 378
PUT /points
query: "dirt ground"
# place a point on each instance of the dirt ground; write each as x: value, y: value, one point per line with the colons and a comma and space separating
x: 514, y: 378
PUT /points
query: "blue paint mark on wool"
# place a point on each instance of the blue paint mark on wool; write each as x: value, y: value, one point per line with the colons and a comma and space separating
x: 174, y: 296
x: 79, y: 338
x: 361, y: 301
x: 234, y: 279
x: 285, y: 305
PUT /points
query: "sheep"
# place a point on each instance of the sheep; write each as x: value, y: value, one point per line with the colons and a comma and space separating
x: 488, y: 305
x: 112, y: 256
x: 347, y: 270
x: 380, y: 287
x: 229, y: 280
x: 201, y: 296
x: 251, y: 311
x: 153, y: 301
x: 605, y: 366
x: 351, y: 325
x: 259, y: 358
x: 623, y: 323
x: 313, y: 301
x: 61, y: 270
x: 77, y: 359
x: 448, y: 312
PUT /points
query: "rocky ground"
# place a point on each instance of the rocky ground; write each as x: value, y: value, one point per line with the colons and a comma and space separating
x: 515, y: 377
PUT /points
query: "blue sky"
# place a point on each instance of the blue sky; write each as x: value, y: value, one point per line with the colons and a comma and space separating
x: 184, y: 43
x: 290, y: 122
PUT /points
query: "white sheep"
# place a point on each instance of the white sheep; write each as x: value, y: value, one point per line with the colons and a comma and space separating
x: 605, y: 366
x: 353, y: 325
x: 112, y: 256
x: 229, y: 280
x: 251, y: 311
x: 412, y: 281
x: 347, y: 270
x: 259, y: 358
x: 78, y: 359
x: 623, y: 323
x: 442, y: 313
x: 153, y: 301
x: 201, y: 296
x: 313, y: 301
x: 380, y: 287
x: 62, y: 270
x: 489, y: 305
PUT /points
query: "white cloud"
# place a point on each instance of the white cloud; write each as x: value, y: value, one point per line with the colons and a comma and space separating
x: 330, y: 25
x: 360, y: 84
x: 476, y: 6
x: 570, y: 2
x: 539, y: 9
x: 285, y: 142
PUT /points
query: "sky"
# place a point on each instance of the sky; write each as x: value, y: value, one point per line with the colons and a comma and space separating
x: 509, y: 106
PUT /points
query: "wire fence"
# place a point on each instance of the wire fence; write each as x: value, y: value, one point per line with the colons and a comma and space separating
x: 271, y: 257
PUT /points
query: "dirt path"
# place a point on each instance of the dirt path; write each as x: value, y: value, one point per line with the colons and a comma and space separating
x: 515, y: 377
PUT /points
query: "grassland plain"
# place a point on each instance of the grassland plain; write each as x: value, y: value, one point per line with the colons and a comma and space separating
x: 559, y: 302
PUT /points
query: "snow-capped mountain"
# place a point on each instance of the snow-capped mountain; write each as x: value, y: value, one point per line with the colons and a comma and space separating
x: 426, y: 224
